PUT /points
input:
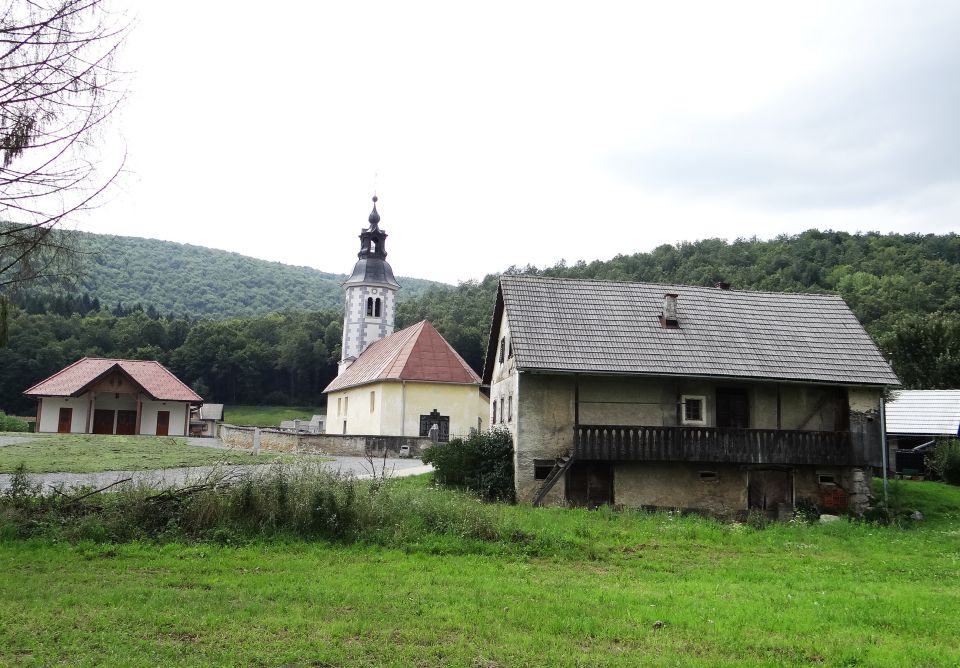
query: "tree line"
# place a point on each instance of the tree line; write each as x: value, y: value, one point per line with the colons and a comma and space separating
x: 905, y: 289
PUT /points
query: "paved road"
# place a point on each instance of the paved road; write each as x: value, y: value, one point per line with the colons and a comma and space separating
x: 358, y: 466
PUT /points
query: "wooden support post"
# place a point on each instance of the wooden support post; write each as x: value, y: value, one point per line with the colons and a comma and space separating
x: 256, y: 440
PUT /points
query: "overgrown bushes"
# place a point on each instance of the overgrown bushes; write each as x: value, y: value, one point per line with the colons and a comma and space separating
x: 10, y: 423
x: 944, y: 462
x: 482, y: 463
x: 302, y: 502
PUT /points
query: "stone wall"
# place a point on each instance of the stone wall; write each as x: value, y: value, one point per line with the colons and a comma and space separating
x: 276, y: 440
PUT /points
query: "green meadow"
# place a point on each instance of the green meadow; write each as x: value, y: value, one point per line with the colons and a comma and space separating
x: 267, y: 416
x: 88, y: 453
x: 447, y: 580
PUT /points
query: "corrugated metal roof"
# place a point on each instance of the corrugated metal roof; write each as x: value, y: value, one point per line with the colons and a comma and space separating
x: 922, y: 412
x: 156, y: 380
x: 415, y: 353
x: 590, y: 326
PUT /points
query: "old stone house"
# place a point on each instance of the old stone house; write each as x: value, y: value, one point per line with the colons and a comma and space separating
x: 395, y: 383
x: 684, y: 397
x: 114, y: 396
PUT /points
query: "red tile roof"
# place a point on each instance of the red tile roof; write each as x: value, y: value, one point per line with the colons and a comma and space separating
x: 155, y: 379
x: 415, y: 353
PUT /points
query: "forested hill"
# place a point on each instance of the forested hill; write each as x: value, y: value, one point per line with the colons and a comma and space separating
x: 905, y: 289
x: 195, y: 281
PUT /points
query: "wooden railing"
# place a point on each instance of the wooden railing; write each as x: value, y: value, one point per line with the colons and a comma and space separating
x: 713, y: 444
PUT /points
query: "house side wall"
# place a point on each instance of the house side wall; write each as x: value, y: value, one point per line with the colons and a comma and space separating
x: 654, y: 401
x: 679, y: 485
x: 50, y: 413
x: 148, y: 416
x: 544, y: 430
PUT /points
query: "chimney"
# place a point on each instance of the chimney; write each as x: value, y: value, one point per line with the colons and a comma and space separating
x: 720, y: 285
x: 669, y: 318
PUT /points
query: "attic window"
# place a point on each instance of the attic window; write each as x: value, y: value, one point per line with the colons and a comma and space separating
x: 503, y: 348
x: 692, y: 410
x: 510, y: 348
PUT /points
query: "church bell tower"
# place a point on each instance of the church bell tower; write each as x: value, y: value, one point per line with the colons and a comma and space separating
x: 370, y: 305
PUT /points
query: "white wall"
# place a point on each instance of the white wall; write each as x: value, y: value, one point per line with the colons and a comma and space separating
x: 148, y: 416
x: 50, y: 413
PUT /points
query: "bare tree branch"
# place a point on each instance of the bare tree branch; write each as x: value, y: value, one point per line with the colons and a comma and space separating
x: 58, y: 85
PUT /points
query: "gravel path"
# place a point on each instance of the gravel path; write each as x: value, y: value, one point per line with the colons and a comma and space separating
x: 358, y: 466
x: 13, y: 440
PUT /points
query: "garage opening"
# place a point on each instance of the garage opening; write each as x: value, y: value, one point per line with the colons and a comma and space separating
x: 590, y: 484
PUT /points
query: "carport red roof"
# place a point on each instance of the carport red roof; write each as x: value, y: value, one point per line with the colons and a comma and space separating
x: 155, y: 379
x: 415, y: 353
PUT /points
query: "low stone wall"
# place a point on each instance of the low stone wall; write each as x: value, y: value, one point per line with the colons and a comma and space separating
x: 276, y: 440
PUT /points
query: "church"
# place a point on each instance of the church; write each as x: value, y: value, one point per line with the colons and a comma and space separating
x: 396, y: 383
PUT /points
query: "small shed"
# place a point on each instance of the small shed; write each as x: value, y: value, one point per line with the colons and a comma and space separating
x: 915, y: 417
x: 205, y: 419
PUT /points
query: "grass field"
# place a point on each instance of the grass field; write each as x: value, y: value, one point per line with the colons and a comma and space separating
x: 571, y: 588
x: 267, y: 416
x: 86, y: 453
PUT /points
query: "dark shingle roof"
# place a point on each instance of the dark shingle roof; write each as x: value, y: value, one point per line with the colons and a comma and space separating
x: 568, y: 325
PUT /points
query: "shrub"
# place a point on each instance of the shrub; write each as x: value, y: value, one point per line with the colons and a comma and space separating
x: 10, y: 423
x: 483, y: 463
x: 945, y: 461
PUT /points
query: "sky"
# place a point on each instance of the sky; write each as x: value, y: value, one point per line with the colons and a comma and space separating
x: 514, y: 133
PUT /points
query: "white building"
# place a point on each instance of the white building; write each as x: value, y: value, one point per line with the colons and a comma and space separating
x: 111, y: 396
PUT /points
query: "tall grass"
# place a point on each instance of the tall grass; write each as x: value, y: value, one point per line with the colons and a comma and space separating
x: 286, y: 502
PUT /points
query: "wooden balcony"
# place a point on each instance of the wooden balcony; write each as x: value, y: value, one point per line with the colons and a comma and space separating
x: 717, y: 445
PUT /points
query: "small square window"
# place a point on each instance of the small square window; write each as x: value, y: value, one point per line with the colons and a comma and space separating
x: 826, y: 479
x: 542, y: 468
x: 692, y: 410
x: 709, y: 476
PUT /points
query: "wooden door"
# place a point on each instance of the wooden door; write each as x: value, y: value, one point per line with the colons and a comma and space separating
x: 590, y: 484
x: 65, y: 421
x: 102, y: 421
x: 770, y: 488
x: 163, y: 423
x: 733, y: 408
x: 127, y: 422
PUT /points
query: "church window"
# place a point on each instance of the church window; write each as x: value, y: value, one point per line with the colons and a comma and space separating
x: 373, y: 400
x: 339, y: 401
x: 376, y: 307
x: 346, y: 404
x: 369, y: 305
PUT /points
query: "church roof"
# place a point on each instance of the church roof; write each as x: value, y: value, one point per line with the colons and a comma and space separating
x: 155, y: 379
x: 416, y: 353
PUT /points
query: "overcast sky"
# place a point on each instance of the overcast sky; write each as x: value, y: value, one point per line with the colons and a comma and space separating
x: 514, y: 133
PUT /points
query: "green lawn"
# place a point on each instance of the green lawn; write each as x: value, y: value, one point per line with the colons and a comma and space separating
x: 267, y: 416
x: 574, y: 588
x: 86, y: 453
